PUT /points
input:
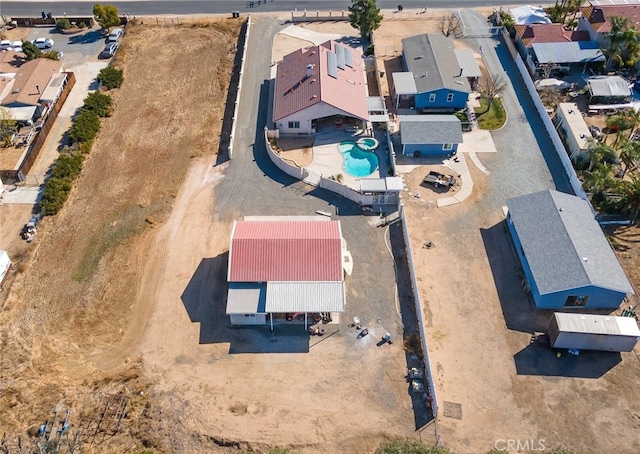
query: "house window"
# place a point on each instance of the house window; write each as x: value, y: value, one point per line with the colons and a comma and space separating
x: 432, y: 97
x: 447, y: 146
x: 294, y: 125
x: 449, y: 97
x: 576, y: 300
x: 249, y: 315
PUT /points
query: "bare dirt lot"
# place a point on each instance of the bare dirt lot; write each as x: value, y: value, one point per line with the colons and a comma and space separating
x: 100, y: 312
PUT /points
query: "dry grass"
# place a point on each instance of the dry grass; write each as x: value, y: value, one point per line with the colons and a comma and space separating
x: 76, y: 297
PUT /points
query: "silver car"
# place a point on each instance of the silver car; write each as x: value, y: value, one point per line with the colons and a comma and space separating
x: 109, y: 51
x: 43, y: 43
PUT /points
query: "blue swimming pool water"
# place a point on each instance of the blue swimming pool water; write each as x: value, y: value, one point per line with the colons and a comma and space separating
x: 357, y: 163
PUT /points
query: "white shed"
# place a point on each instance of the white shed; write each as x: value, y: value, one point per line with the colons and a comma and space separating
x: 577, y: 135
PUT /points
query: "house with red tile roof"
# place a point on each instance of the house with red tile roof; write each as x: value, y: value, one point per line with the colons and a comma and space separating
x: 596, y: 19
x: 285, y: 268
x: 553, y: 44
x: 319, y: 83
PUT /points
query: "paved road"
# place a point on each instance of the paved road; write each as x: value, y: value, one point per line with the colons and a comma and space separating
x: 155, y: 7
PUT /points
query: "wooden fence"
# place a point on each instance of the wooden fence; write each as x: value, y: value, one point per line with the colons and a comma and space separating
x: 36, y: 146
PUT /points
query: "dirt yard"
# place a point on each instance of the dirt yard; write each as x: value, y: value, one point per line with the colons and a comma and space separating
x: 97, y: 316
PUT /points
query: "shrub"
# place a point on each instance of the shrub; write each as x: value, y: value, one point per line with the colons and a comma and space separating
x: 63, y: 24
x: 409, y: 447
x: 30, y: 50
x: 85, y: 127
x: 110, y: 77
x: 51, y: 55
x: 99, y: 103
x: 55, y: 194
x: 67, y: 166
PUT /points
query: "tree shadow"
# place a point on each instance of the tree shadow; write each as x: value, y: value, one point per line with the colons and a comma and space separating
x: 205, y: 300
x: 88, y: 37
x: 538, y: 360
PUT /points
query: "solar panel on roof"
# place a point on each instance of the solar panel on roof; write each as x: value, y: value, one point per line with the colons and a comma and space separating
x: 348, y: 58
x: 340, y: 55
x: 332, y: 65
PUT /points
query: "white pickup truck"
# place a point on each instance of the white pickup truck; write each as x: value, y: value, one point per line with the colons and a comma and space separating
x: 439, y: 179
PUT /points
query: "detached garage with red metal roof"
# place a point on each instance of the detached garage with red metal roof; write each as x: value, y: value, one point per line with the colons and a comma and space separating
x: 280, y: 266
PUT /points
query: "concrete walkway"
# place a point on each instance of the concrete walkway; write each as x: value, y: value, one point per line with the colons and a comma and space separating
x: 309, y: 35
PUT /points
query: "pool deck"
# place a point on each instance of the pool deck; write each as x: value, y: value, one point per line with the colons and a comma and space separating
x: 327, y: 159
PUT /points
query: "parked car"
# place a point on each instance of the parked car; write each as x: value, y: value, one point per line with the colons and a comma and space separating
x: 552, y: 83
x: 43, y: 43
x: 115, y: 35
x: 11, y: 45
x: 439, y: 179
x: 109, y: 51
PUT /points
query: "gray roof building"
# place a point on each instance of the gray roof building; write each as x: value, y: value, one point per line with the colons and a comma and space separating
x: 432, y: 60
x: 429, y: 129
x: 563, y: 243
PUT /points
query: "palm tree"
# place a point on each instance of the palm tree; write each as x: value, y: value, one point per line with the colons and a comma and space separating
x: 598, y: 154
x: 634, y: 119
x: 630, y: 201
x: 629, y: 155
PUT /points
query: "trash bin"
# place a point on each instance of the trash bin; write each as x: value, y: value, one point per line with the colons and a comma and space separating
x: 235, y: 14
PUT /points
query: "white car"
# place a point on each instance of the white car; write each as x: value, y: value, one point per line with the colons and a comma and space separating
x: 115, y: 35
x: 43, y: 43
x: 11, y: 45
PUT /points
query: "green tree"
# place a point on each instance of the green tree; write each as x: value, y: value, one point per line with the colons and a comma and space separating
x: 409, y: 447
x: 7, y: 125
x: 629, y: 155
x: 99, y: 103
x: 63, y: 24
x: 598, y: 154
x: 630, y: 197
x: 54, y: 195
x: 365, y: 16
x: 110, y: 77
x: 85, y: 127
x: 106, y: 15
x: 30, y: 50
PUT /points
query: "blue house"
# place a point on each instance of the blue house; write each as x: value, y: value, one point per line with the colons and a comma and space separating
x: 566, y: 259
x: 422, y: 135
x: 435, y: 81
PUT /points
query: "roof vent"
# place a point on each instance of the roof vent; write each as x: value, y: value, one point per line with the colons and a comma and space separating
x: 585, y: 259
x: 419, y: 57
x: 313, y: 80
x: 561, y: 209
x: 314, y: 96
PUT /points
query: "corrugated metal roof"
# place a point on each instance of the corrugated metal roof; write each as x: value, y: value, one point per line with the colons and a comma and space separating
x: 564, y: 244
x: 246, y: 298
x: 609, y: 86
x: 305, y: 297
x: 263, y: 251
x: 295, y: 90
x: 404, y: 84
x: 568, y: 52
x: 468, y: 63
x: 597, y: 324
x: 430, y: 129
x: 429, y: 58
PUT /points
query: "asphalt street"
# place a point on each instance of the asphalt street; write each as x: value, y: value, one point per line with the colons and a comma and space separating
x: 171, y: 7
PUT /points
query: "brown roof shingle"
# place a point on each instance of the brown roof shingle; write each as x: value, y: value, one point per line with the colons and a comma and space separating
x: 30, y: 80
x: 600, y: 16
x: 295, y: 90
x: 548, y: 33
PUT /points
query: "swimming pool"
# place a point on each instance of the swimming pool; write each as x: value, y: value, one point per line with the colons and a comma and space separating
x: 367, y: 143
x: 357, y: 163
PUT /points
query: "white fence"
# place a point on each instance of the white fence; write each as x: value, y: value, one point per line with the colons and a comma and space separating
x: 237, y: 101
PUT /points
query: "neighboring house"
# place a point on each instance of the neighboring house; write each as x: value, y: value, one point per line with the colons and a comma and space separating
x: 280, y: 266
x: 422, y: 135
x: 317, y: 83
x: 527, y: 14
x: 434, y: 80
x: 596, y: 19
x: 609, y: 90
x: 573, y: 128
x: 552, y: 44
x: 566, y: 259
x: 36, y: 86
